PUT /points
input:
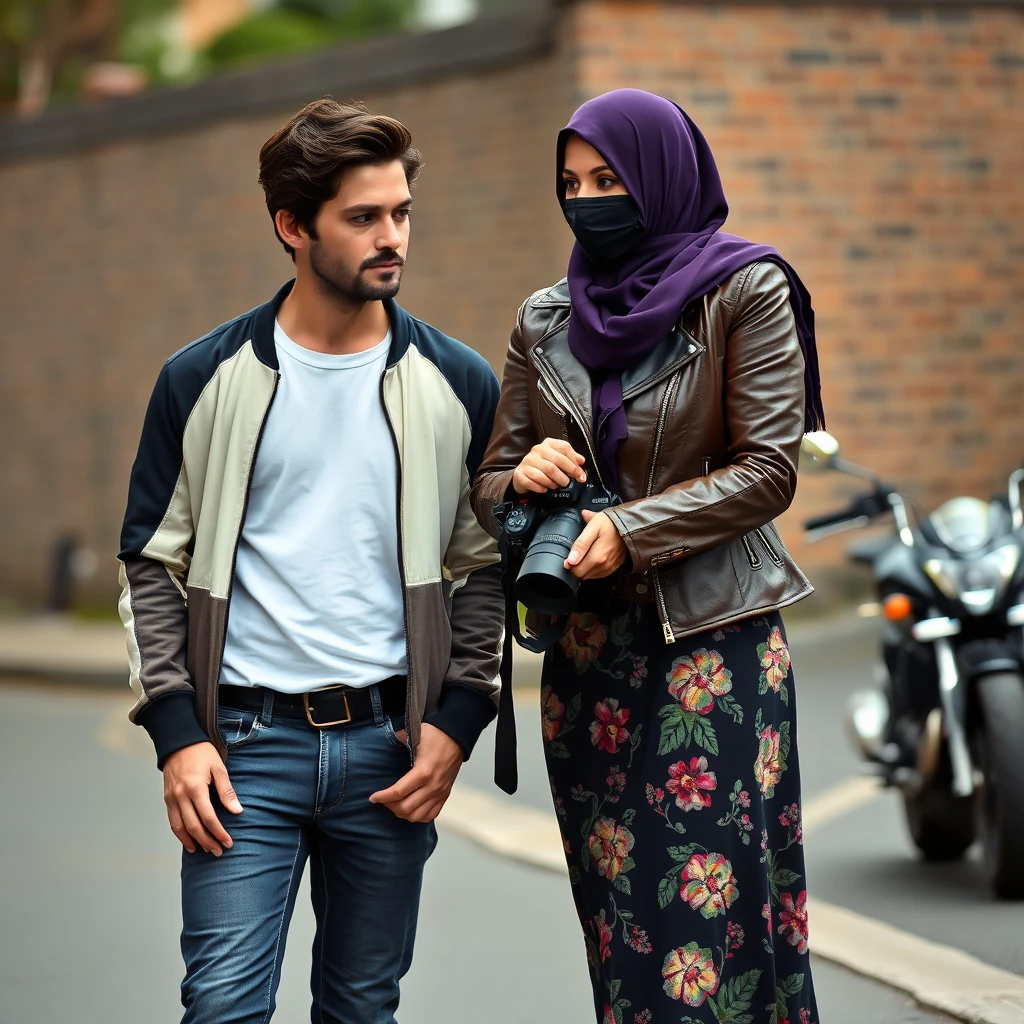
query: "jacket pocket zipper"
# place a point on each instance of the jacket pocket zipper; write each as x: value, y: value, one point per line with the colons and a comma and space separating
x: 772, y: 553
x: 706, y: 465
x: 752, y: 556
x: 666, y: 625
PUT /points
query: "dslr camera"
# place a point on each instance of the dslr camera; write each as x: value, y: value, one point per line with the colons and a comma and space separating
x: 539, y: 531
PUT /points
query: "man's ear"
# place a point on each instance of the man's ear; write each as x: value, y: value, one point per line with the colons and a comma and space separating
x: 289, y: 230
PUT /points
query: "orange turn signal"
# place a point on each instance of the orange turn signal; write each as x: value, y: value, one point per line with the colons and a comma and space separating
x: 897, y: 607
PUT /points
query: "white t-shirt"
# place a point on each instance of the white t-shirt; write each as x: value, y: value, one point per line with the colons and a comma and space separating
x: 317, y: 595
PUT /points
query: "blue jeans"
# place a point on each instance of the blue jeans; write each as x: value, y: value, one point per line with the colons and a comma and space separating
x: 305, y: 796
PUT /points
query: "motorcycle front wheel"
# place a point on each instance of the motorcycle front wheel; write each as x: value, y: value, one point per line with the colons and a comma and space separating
x: 997, y: 744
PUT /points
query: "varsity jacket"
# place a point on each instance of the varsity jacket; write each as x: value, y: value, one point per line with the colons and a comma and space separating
x: 187, y: 500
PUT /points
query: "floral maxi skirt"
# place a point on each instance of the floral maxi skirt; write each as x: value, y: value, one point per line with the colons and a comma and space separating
x: 675, y: 779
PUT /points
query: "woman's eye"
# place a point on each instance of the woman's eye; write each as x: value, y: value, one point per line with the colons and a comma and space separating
x: 607, y: 182
x: 571, y: 185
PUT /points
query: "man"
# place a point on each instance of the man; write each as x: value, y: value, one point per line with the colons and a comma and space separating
x: 314, y: 616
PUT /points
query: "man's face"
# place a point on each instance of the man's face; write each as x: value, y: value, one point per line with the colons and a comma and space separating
x: 358, y: 245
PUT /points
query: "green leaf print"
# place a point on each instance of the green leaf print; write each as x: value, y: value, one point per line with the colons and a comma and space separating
x: 620, y: 634
x: 573, y: 711
x: 556, y: 748
x: 785, y: 990
x: 681, y: 854
x: 674, y: 732
x: 703, y: 733
x: 668, y: 889
x: 784, y: 740
x: 735, y: 997
x: 730, y: 706
x: 628, y: 816
x: 622, y: 884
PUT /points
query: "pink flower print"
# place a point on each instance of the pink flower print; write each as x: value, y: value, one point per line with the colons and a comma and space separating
x: 552, y: 713
x: 639, y: 940
x: 708, y: 884
x: 692, y: 784
x: 609, y: 729
x: 690, y: 974
x: 775, y: 661
x: 584, y: 639
x: 696, y: 681
x: 744, y: 798
x: 793, y: 918
x: 769, y: 766
x: 609, y: 845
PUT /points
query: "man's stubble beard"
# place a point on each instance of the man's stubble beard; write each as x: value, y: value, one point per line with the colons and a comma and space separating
x: 339, y: 283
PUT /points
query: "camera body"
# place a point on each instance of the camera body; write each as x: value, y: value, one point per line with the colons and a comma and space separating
x: 541, y: 529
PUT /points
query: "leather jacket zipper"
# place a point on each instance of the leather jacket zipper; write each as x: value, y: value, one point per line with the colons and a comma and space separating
x: 401, y: 568
x: 772, y: 553
x: 659, y: 593
x: 555, y: 385
x: 752, y: 556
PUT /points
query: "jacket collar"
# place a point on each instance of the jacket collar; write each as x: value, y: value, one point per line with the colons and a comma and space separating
x: 265, y: 316
x: 672, y: 354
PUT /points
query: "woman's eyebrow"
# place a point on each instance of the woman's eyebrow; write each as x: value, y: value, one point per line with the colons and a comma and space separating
x: 593, y: 170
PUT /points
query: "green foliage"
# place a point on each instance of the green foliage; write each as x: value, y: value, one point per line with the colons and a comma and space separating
x: 294, y: 26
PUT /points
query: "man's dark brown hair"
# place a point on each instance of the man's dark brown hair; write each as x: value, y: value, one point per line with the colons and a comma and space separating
x: 302, y: 163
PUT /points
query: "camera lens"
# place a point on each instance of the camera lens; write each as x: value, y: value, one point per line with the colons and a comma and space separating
x: 544, y: 584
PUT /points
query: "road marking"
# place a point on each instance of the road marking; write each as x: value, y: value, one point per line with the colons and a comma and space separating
x: 839, y: 800
x: 925, y: 970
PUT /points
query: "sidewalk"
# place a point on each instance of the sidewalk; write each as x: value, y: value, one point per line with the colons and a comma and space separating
x: 62, y: 648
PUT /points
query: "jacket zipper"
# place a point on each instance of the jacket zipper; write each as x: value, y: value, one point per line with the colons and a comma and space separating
x: 659, y: 593
x: 772, y: 553
x: 401, y: 567
x: 752, y: 556
x: 241, y: 525
x: 706, y: 465
x: 553, y: 382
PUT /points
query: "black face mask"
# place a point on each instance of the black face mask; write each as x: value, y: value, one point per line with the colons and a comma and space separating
x: 606, y: 227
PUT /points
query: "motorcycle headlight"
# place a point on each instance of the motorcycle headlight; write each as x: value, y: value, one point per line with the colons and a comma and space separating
x: 976, y: 584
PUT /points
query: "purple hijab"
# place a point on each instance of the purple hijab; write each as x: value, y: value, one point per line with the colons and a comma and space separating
x: 620, y: 313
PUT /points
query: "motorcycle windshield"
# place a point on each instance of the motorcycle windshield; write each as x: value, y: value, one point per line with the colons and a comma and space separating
x: 964, y: 524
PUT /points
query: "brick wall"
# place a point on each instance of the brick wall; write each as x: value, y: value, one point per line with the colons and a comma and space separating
x: 120, y: 255
x: 881, y: 151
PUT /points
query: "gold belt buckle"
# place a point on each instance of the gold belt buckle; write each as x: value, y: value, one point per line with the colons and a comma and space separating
x: 326, y: 725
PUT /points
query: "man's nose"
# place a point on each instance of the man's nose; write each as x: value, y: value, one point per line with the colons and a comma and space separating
x: 391, y: 237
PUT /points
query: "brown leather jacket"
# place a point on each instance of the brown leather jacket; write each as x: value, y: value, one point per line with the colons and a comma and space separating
x: 715, y: 417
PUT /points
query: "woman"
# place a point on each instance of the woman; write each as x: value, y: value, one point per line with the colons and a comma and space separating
x: 677, y: 364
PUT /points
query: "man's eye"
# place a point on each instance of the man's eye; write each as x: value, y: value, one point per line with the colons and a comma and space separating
x: 403, y: 214
x: 363, y: 218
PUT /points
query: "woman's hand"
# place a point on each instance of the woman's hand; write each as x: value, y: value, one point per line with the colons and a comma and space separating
x: 599, y: 550
x: 548, y: 466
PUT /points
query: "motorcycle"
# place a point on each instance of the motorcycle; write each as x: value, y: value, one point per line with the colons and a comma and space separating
x: 945, y: 725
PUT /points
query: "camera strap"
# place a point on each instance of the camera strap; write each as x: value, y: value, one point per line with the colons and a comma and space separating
x: 537, y: 641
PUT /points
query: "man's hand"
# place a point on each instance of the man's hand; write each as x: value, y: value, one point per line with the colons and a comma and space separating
x: 547, y: 467
x: 188, y: 775
x: 420, y: 794
x: 599, y: 550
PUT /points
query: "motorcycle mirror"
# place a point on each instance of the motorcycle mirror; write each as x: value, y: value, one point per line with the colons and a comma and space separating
x: 819, y: 451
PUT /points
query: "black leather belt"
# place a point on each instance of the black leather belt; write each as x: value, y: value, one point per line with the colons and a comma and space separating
x: 323, y: 708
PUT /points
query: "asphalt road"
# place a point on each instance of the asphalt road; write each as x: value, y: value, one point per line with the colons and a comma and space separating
x: 89, y: 901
